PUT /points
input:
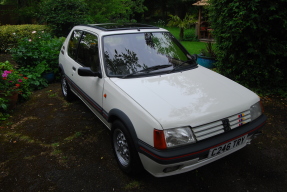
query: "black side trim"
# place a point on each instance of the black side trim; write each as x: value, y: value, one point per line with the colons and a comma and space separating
x: 200, y: 149
x: 127, y: 122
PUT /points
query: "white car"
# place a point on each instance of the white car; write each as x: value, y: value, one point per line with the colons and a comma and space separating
x: 166, y: 113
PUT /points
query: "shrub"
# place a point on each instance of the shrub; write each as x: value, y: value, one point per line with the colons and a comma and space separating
x: 190, y: 36
x: 10, y: 34
x: 38, y: 55
x: 251, y: 42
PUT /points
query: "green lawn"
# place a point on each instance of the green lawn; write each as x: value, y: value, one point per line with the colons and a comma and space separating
x: 193, y: 47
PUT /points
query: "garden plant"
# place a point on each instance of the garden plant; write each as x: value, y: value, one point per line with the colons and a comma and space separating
x: 12, y: 82
x: 36, y: 56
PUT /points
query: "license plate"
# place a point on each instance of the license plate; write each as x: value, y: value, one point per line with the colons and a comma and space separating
x: 227, y: 146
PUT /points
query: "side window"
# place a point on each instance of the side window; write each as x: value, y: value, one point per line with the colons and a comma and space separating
x: 88, y: 52
x: 73, y: 44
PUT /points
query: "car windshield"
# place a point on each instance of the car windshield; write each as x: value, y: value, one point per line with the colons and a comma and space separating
x: 144, y: 53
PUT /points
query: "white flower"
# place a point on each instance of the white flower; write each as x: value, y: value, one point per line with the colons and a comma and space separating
x: 14, y: 33
x: 34, y: 32
x: 30, y: 40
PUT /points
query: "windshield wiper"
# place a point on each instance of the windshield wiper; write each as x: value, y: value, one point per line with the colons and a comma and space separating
x: 156, y: 67
x: 184, y: 62
x: 148, y: 69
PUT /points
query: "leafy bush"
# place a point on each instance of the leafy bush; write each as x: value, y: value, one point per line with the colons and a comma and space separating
x: 62, y: 15
x: 36, y: 81
x: 251, y: 42
x: 10, y: 34
x: 190, y: 36
x: 38, y: 55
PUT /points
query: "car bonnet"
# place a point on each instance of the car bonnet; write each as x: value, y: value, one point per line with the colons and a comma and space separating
x: 193, y: 97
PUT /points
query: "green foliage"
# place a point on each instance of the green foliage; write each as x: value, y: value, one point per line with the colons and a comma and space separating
x: 36, y: 56
x: 10, y: 34
x: 103, y: 11
x: 181, y: 23
x: 34, y: 73
x: 251, y: 40
x: 62, y: 15
x: 189, y: 36
x: 209, y: 50
x: 3, y: 104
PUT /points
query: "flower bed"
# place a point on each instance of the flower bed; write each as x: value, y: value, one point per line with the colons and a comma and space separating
x: 11, y: 83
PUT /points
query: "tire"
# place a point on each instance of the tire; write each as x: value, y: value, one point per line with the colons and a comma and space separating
x: 124, y: 150
x: 67, y: 93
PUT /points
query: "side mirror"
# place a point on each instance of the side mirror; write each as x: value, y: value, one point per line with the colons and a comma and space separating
x: 87, y: 72
x: 192, y: 57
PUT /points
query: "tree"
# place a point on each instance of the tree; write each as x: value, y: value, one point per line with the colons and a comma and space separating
x: 114, y: 10
x: 181, y: 23
x: 62, y: 15
x: 251, y: 42
x: 160, y: 9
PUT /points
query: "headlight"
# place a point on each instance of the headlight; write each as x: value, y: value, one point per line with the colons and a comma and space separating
x: 178, y: 136
x: 255, y: 111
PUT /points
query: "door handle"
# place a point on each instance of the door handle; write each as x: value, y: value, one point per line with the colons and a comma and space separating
x: 74, y: 68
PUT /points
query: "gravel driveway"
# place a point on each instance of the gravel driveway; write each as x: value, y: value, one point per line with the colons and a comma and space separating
x: 51, y: 145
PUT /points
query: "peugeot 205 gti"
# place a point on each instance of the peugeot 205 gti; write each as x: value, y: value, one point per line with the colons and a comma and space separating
x: 166, y: 113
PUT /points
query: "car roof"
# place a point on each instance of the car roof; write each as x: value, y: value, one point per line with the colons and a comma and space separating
x: 120, y: 27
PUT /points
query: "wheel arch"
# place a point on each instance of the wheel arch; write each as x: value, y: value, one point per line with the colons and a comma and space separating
x: 117, y: 114
x: 61, y: 68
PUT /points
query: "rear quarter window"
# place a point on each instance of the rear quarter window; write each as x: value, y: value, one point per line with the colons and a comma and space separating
x: 73, y: 44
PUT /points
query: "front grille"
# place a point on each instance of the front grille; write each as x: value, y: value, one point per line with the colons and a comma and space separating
x: 215, y: 128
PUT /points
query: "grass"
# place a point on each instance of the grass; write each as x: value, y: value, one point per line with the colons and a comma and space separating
x: 193, y: 47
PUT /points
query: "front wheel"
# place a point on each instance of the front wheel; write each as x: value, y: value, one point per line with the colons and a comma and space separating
x: 124, y: 149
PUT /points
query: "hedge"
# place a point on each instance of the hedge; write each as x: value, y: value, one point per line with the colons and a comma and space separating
x: 9, y: 34
x: 251, y: 41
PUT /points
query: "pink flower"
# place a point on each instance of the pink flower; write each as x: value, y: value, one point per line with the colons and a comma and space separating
x: 5, y: 74
x: 20, y: 80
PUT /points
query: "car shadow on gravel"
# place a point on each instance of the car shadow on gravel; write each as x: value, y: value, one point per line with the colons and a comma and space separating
x: 49, y: 144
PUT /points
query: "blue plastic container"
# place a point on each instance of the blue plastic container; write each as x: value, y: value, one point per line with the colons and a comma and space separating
x: 205, y: 61
x: 49, y: 77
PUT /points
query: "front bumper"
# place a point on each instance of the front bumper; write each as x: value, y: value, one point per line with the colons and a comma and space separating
x: 193, y: 156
